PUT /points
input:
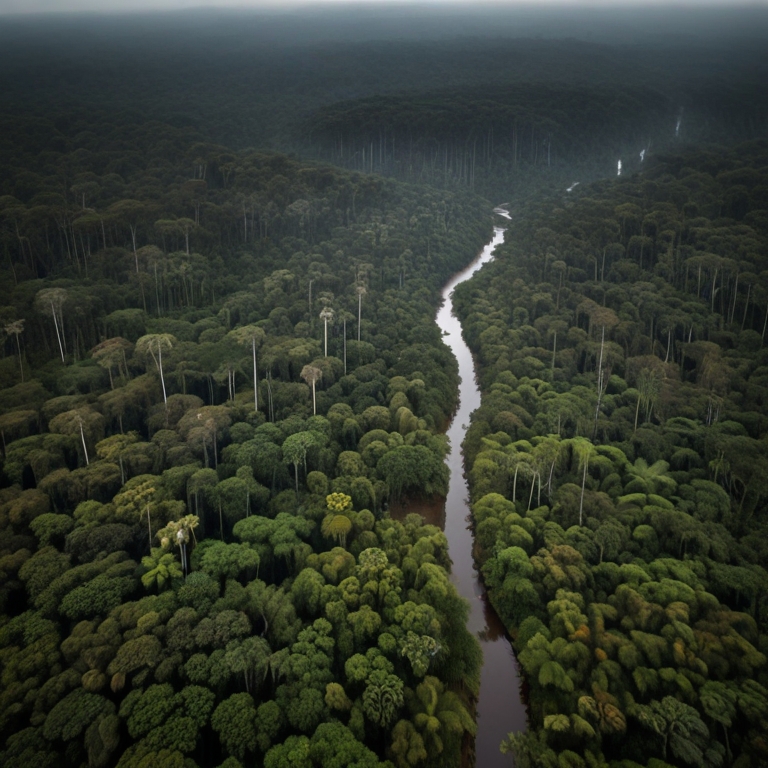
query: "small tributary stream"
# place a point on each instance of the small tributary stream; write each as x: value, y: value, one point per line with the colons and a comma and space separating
x: 500, y: 709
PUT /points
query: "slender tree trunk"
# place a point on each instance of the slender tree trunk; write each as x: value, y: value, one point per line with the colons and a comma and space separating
x: 85, y: 447
x: 359, y: 313
x: 549, y: 479
x: 600, y: 387
x: 133, y: 240
x: 583, y: 484
x: 765, y: 323
x: 514, y: 483
x: 149, y: 525
x: 746, y: 306
x: 61, y: 348
x: 160, y: 366
x: 21, y: 366
x: 255, y: 377
x: 554, y: 350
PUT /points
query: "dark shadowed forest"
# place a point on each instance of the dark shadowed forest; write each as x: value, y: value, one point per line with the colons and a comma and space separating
x: 223, y: 238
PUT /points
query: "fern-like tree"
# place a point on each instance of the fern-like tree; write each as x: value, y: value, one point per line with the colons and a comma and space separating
x: 162, y: 568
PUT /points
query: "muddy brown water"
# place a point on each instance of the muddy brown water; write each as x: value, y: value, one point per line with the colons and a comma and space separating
x: 500, y: 709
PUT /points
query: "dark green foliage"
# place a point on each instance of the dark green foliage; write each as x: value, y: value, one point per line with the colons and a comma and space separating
x: 631, y: 579
x: 174, y: 590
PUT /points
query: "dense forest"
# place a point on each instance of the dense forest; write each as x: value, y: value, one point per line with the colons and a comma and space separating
x: 619, y: 463
x: 222, y: 246
x: 196, y: 571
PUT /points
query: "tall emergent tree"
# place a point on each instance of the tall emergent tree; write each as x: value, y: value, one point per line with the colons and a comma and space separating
x: 153, y: 343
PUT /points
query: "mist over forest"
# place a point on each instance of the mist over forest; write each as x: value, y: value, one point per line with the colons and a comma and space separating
x: 224, y: 396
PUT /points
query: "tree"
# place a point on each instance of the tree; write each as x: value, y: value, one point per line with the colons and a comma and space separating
x: 382, y: 697
x: 295, y: 449
x: 130, y: 212
x: 584, y: 451
x: 718, y: 700
x: 77, y: 422
x: 229, y: 561
x: 234, y: 721
x: 312, y: 374
x: 110, y: 354
x: 74, y: 713
x: 178, y: 533
x: 649, y: 387
x: 680, y: 727
x: 361, y: 291
x: 326, y: 315
x: 649, y: 479
x: 16, y: 328
x: 407, y: 745
x: 337, y: 527
x: 253, y: 336
x: 345, y: 316
x: 162, y: 568
x: 153, y: 344
x: 439, y: 715
x: 53, y: 299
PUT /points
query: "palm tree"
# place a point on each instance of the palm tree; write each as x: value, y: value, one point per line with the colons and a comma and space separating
x: 17, y: 328
x: 162, y: 569
x: 649, y: 479
x: 311, y: 374
x: 325, y: 315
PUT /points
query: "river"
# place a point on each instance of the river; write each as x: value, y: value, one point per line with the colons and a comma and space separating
x: 500, y: 709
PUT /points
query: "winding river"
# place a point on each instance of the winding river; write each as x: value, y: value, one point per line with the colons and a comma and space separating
x: 500, y: 709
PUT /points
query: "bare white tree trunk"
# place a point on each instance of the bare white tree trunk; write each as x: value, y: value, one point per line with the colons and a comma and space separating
x: 58, y: 335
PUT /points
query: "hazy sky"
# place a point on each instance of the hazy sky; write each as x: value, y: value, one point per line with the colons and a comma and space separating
x: 121, y: 6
